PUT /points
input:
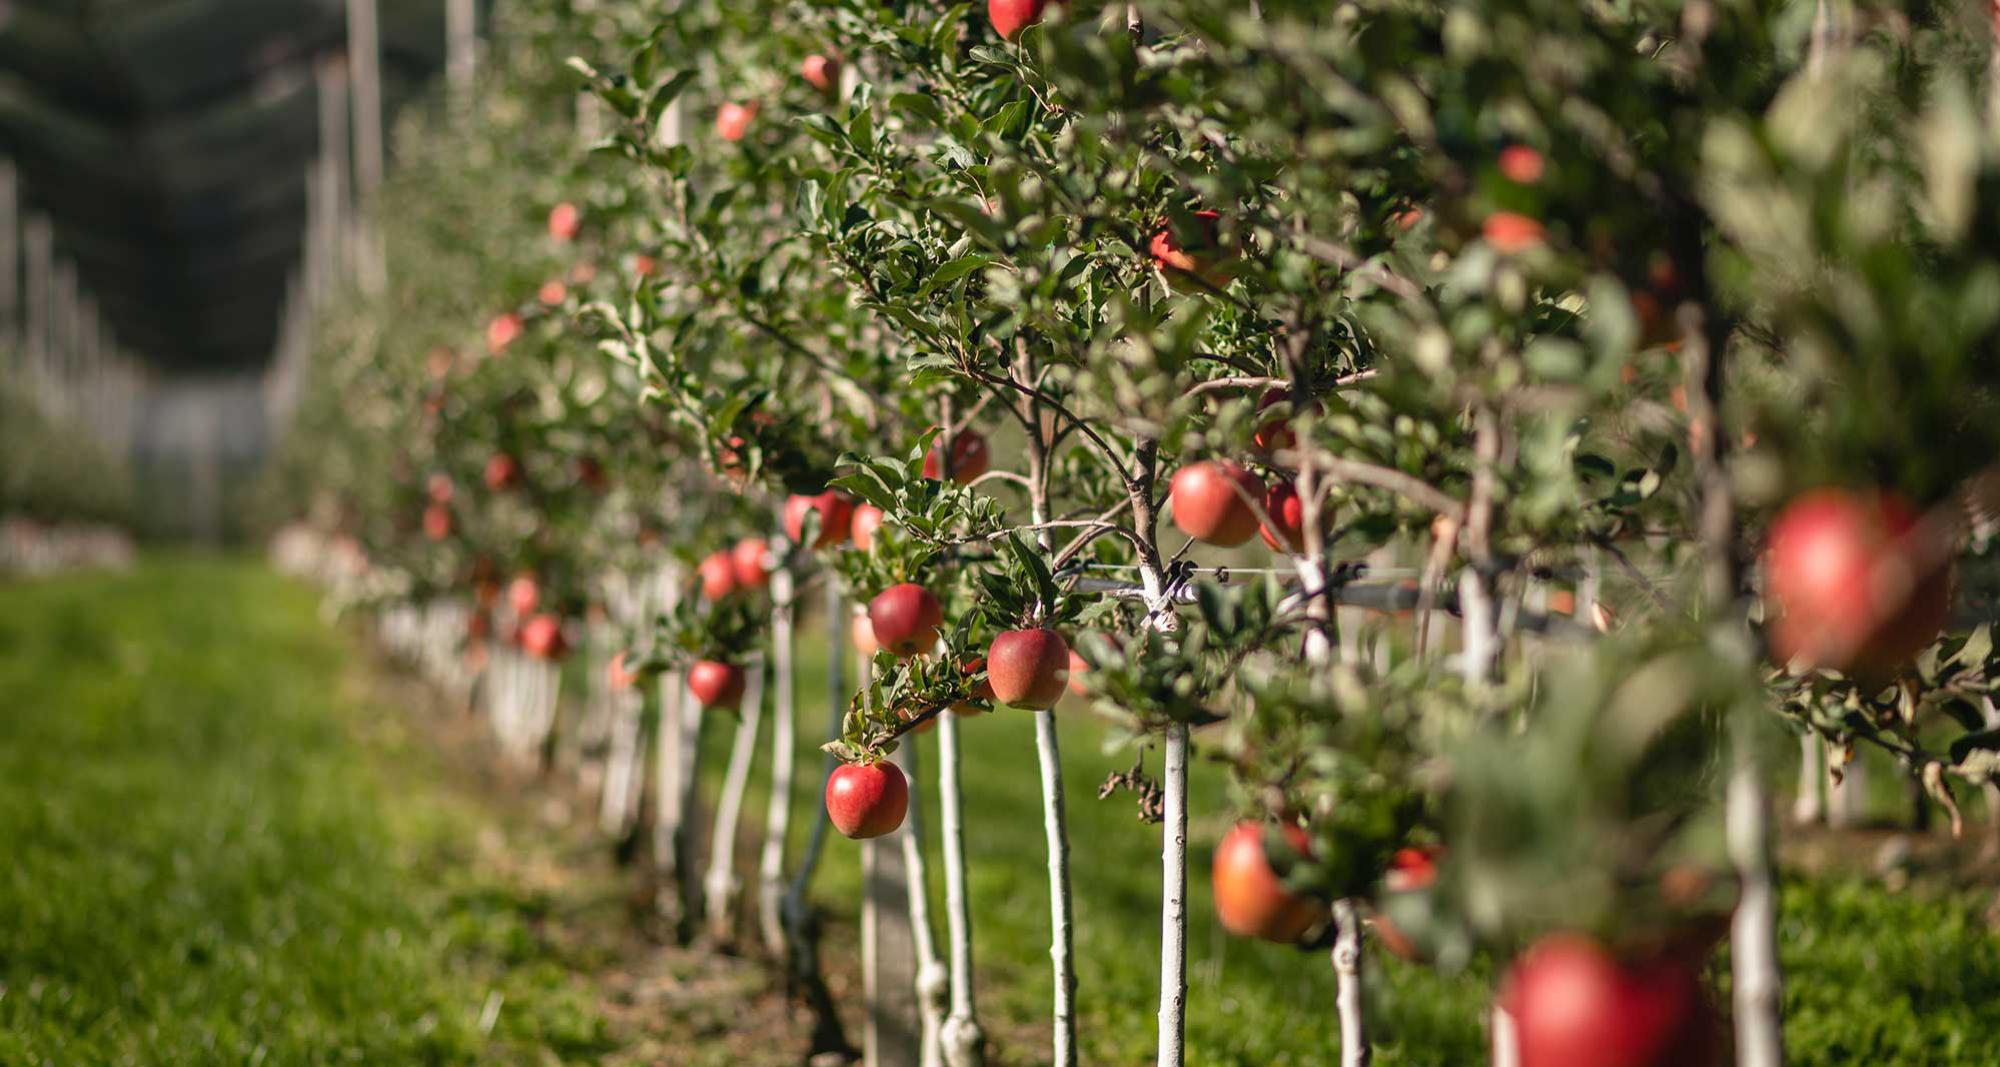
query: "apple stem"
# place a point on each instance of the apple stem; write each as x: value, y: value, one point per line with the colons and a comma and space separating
x: 722, y: 883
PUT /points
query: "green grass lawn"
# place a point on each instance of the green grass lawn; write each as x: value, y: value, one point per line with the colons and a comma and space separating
x: 223, y: 848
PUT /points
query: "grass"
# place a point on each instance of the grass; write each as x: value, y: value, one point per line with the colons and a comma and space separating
x: 204, y: 865
x: 222, y: 847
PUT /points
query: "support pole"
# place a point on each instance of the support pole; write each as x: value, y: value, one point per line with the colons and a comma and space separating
x: 364, y: 51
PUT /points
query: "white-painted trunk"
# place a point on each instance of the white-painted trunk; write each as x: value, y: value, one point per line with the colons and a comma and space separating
x: 621, y: 761
x: 777, y: 817
x: 1354, y: 1047
x: 933, y: 981
x: 964, y: 1043
x: 1753, y: 952
x: 1055, y: 834
x: 1173, y: 902
x: 1806, y: 808
x: 1506, y: 1041
x: 722, y: 883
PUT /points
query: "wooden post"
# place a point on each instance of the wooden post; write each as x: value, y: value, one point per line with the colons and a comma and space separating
x: 364, y: 52
x: 10, y: 258
x: 334, y: 167
x: 40, y: 264
x: 461, y: 44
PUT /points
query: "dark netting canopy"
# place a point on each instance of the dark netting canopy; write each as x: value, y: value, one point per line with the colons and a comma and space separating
x: 168, y: 142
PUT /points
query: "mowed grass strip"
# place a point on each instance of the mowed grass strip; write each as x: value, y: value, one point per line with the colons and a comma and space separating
x: 204, y: 865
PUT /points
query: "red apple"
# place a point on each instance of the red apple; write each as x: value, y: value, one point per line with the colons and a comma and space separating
x: 644, y: 265
x: 969, y: 458
x: 867, y: 799
x: 524, y: 595
x: 1010, y: 17
x: 1078, y: 667
x: 1842, y: 586
x: 1211, y: 502
x: 617, y: 677
x: 1171, y: 256
x: 863, y: 634
x: 981, y: 691
x: 718, y: 576
x: 821, y: 72
x: 1520, y: 164
x: 1273, y: 436
x: 542, y: 637
x: 906, y: 618
x: 590, y: 474
x: 836, y: 514
x: 502, y: 472
x: 1411, y: 870
x: 437, y: 522
x: 715, y: 684
x: 583, y: 273
x: 733, y: 120
x: 1511, y: 233
x: 1028, y: 668
x: 552, y: 293
x: 750, y: 561
x: 1576, y: 1005
x: 1288, y: 515
x: 501, y: 332
x: 1250, y: 898
x: 564, y: 221
x: 867, y: 520
x: 440, y: 489
x: 478, y: 626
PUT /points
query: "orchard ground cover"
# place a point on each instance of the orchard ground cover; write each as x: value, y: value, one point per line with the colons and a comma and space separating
x: 229, y: 830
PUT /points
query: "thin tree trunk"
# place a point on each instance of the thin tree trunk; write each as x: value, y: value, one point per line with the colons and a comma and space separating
x: 933, y: 981
x: 964, y: 1044
x: 777, y: 818
x: 1173, y: 901
x: 1756, y: 982
x: 722, y: 882
x: 1354, y: 1047
x: 894, y: 1033
x: 669, y: 805
x: 1055, y: 820
x: 800, y: 935
x: 1806, y: 808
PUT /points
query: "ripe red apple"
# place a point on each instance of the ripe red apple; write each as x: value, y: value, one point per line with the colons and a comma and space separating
x: 1078, y: 667
x: 1028, y: 668
x: 867, y: 799
x: 644, y: 265
x: 863, y: 634
x: 906, y: 618
x: 715, y: 684
x: 564, y: 221
x: 552, y: 293
x: 1273, y: 436
x: 1511, y: 233
x: 821, y: 72
x: 1168, y: 252
x: 583, y: 273
x: 969, y: 458
x: 750, y: 562
x: 542, y: 637
x: 733, y: 120
x: 836, y: 514
x: 1288, y: 515
x: 437, y: 522
x: 617, y: 677
x: 1210, y: 500
x: 718, y: 576
x: 524, y: 595
x: 590, y: 474
x: 1250, y: 898
x: 1010, y: 17
x: 981, y: 691
x: 502, y: 472
x: 440, y: 489
x: 1842, y: 586
x: 504, y: 330
x: 1411, y: 870
x: 1520, y: 164
x: 867, y: 519
x: 478, y: 626
x: 1576, y: 1005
